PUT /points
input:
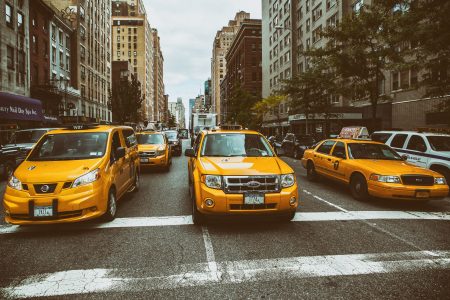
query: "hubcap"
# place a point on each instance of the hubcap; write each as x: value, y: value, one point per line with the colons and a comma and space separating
x: 112, y: 205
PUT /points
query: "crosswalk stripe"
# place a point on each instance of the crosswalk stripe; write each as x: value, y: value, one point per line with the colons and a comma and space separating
x: 73, y: 282
x: 187, y: 220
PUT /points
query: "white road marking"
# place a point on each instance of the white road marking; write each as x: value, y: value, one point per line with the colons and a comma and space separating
x: 210, y: 257
x: 118, y: 280
x: 187, y: 220
x: 325, y: 201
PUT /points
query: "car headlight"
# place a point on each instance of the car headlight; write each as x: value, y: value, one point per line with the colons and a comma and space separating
x: 87, y: 178
x: 15, y: 183
x: 287, y: 180
x: 160, y: 151
x: 213, y: 181
x: 440, y: 180
x: 385, y: 178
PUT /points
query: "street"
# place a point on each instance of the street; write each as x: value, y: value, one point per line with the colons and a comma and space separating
x: 336, y: 247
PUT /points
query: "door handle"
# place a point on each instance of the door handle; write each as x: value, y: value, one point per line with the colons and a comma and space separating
x: 329, y: 159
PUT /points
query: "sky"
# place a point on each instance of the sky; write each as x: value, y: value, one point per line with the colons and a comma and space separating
x: 187, y: 29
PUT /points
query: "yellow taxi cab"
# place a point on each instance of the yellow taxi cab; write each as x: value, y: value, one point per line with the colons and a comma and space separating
x: 154, y: 150
x: 372, y: 169
x: 237, y: 172
x: 74, y: 174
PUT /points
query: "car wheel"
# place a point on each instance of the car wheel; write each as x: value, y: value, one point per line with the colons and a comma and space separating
x: 111, y: 208
x: 289, y: 216
x: 358, y: 187
x: 311, y: 173
x: 197, y: 217
x: 8, y: 169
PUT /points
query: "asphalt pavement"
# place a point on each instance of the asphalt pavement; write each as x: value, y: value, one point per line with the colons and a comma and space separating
x: 336, y: 247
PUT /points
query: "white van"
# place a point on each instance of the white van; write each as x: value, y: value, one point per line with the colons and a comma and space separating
x: 424, y: 149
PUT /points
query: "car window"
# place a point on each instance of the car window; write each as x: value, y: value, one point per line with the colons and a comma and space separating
x: 381, y: 137
x: 326, y: 146
x: 197, y: 142
x: 372, y: 151
x: 399, y: 140
x: 171, y: 135
x: 417, y: 143
x: 130, y: 138
x: 151, y: 139
x: 439, y: 143
x: 339, y: 150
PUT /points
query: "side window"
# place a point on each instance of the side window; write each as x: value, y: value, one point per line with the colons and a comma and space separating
x: 339, y: 150
x: 417, y: 143
x: 399, y: 140
x: 197, y: 142
x: 381, y: 137
x: 325, y: 148
x: 129, y: 137
x: 115, y: 144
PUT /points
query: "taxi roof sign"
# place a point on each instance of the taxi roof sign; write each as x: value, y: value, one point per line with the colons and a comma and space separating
x: 354, y: 132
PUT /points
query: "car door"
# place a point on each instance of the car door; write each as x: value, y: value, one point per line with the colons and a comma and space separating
x: 193, y: 160
x: 129, y: 139
x: 322, y: 157
x: 117, y: 165
x: 416, y: 148
x: 337, y: 167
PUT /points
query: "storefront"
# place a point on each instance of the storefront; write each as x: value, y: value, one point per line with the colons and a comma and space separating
x: 276, y: 128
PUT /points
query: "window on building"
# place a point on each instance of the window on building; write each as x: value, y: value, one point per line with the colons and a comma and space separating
x: 317, y: 13
x: 9, y: 15
x: 61, y: 38
x: 67, y: 42
x: 331, y: 3
x: 82, y: 12
x: 308, y: 25
x: 67, y: 62
x: 317, y: 34
x: 357, y: 6
x: 82, y: 33
x: 21, y: 67
x: 53, y: 55
x: 395, y: 83
x: 20, y: 26
x: 34, y: 44
x: 82, y: 53
x: 307, y: 5
x: 61, y: 59
x: 53, y: 32
x: 333, y: 21
x: 134, y: 53
x: 10, y: 57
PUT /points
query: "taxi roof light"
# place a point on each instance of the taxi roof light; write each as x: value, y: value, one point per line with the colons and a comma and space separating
x: 354, y: 132
x: 81, y: 126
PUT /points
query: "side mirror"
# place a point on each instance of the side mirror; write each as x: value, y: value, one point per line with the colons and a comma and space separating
x: 405, y: 157
x: 189, y: 152
x: 120, y: 152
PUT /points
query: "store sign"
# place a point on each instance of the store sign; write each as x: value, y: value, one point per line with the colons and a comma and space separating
x: 16, y: 107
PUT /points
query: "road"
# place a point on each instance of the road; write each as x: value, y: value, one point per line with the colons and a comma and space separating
x: 335, y: 247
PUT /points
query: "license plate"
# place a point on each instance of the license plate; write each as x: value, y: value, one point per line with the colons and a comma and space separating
x: 144, y: 160
x: 43, y: 211
x: 253, y: 198
x: 422, y: 195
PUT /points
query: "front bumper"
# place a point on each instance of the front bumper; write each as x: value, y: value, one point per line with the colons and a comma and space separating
x: 153, y: 161
x: 406, y: 192
x: 74, y: 205
x: 233, y: 204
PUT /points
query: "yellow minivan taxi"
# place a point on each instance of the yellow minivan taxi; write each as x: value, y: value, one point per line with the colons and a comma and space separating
x: 73, y: 174
x: 154, y: 150
x: 237, y: 172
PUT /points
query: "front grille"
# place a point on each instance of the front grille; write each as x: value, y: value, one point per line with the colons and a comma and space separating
x: 243, y: 184
x: 419, y: 180
x: 45, y: 188
x: 252, y: 206
x: 148, y: 154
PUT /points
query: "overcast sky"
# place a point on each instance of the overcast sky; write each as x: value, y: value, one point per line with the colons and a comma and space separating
x: 187, y: 29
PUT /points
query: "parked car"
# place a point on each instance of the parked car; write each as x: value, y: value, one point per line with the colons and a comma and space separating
x: 26, y: 139
x: 8, y: 161
x: 295, y: 145
x: 174, y: 141
x: 275, y: 142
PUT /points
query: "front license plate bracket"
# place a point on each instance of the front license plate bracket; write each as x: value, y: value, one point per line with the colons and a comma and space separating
x: 254, y: 198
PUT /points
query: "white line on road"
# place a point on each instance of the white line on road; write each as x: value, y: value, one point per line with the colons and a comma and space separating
x: 210, y: 257
x: 75, y: 282
x: 187, y: 220
x: 325, y: 201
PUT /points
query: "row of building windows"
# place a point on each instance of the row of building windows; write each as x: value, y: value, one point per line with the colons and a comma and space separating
x: 9, y: 18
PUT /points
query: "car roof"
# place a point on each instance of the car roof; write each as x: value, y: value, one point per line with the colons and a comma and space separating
x: 412, y: 132
x: 149, y: 132
x: 355, y: 141
x: 216, y: 131
x: 99, y: 128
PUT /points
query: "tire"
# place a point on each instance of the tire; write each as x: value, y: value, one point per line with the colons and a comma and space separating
x: 197, y: 217
x: 111, y: 208
x: 311, y: 173
x: 288, y: 217
x: 358, y: 187
x: 8, y: 170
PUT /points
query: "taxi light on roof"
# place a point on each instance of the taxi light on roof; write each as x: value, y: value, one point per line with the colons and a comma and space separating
x: 81, y: 126
x: 354, y: 132
x: 230, y: 127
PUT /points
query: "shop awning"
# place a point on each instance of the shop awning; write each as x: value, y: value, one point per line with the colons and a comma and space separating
x: 16, y: 107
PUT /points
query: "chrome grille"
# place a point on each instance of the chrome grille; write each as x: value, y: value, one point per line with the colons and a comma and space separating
x: 418, y: 180
x: 147, y: 154
x: 243, y: 184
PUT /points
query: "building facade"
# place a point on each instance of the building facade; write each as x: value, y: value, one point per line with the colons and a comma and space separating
x: 181, y: 112
x: 158, y: 78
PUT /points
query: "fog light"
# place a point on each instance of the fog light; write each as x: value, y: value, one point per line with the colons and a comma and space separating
x: 93, y: 208
x: 209, y: 202
x: 6, y: 212
x: 292, y: 201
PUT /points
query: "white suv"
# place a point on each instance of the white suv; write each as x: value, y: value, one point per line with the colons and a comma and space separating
x: 427, y: 150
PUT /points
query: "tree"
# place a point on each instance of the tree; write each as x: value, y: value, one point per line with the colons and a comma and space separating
x: 172, y: 121
x: 126, y: 100
x: 239, y: 106
x: 262, y: 107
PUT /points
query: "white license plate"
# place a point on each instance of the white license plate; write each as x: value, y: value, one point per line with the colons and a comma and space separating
x: 144, y: 160
x: 253, y: 198
x: 43, y: 211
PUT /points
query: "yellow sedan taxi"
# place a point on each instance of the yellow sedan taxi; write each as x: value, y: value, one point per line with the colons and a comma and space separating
x: 73, y: 174
x: 237, y: 172
x: 372, y: 169
x: 154, y: 150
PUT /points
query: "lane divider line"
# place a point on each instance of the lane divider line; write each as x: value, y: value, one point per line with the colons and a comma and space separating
x: 325, y: 201
x: 210, y: 257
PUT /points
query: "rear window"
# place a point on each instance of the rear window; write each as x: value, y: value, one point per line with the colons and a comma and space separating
x: 439, y: 143
x: 399, y: 140
x: 381, y: 137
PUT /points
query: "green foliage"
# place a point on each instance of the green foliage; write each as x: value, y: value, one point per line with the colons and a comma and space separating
x: 172, y: 122
x: 267, y: 104
x: 126, y: 100
x: 239, y: 107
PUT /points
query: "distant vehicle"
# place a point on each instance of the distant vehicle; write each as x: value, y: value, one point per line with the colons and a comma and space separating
x: 183, y: 133
x: 424, y: 149
x: 154, y: 150
x: 26, y: 139
x: 295, y: 145
x: 202, y: 121
x: 275, y: 142
x: 174, y: 141
x: 8, y: 161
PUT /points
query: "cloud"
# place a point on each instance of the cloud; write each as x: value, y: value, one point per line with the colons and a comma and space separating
x: 187, y: 29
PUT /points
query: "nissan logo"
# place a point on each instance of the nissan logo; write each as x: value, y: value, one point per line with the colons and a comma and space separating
x: 253, y: 184
x: 45, y: 188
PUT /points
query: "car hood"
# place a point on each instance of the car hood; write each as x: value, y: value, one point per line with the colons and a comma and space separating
x: 55, y: 171
x: 393, y: 167
x: 244, y: 165
x: 150, y: 147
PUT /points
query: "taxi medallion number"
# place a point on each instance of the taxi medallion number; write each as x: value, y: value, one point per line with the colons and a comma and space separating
x: 43, y: 211
x: 253, y: 198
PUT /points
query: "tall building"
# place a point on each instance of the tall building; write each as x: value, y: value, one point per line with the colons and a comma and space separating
x: 243, y: 63
x: 208, y: 96
x: 191, y: 107
x: 132, y: 40
x: 172, y: 106
x: 158, y: 78
x: 221, y: 44
x: 181, y: 111
x: 92, y: 74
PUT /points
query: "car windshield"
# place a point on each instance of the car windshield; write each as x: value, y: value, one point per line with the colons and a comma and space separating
x: 235, y: 144
x: 150, y: 139
x: 171, y: 135
x: 439, y: 143
x: 372, y: 151
x: 27, y: 136
x: 70, y: 146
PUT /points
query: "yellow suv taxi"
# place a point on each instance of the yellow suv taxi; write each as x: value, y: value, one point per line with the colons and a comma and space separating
x: 372, y: 169
x: 237, y: 172
x: 154, y: 150
x: 74, y: 174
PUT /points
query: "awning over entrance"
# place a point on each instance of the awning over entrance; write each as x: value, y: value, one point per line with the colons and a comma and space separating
x: 16, y: 107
